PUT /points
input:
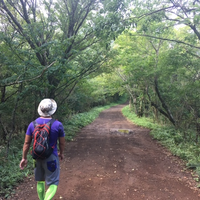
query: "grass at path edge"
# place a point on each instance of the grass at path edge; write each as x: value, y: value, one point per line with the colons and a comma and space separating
x: 76, y: 122
x: 179, y: 145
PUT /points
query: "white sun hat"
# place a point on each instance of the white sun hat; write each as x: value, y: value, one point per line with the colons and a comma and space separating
x: 47, y: 107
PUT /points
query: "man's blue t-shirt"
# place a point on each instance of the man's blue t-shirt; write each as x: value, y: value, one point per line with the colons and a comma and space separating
x: 56, y: 131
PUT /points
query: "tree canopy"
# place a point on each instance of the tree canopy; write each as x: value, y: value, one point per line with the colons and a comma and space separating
x: 48, y: 48
x: 158, y: 61
x: 85, y: 53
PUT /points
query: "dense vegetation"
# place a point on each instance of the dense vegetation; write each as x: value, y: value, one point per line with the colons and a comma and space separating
x: 158, y: 61
x: 54, y: 49
x: 86, y: 53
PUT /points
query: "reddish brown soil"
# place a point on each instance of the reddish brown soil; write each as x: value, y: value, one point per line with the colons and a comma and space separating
x: 105, y: 164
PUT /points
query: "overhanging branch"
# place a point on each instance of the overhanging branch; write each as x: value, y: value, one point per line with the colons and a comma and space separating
x: 28, y: 80
x: 160, y: 38
x: 150, y: 13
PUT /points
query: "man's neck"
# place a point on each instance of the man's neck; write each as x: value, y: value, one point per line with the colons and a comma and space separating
x: 47, y: 117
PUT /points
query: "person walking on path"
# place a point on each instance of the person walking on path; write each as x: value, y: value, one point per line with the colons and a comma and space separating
x: 48, y: 169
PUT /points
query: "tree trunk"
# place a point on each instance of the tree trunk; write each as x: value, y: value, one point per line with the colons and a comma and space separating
x: 164, y: 105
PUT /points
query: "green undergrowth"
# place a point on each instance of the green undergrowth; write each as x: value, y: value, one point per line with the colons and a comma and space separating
x: 180, y: 144
x: 10, y: 173
x: 142, y: 121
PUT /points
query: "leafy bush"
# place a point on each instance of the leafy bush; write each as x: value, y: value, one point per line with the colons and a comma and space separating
x: 142, y: 121
x: 10, y: 172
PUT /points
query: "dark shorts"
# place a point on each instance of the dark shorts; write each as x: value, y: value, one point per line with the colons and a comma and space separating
x: 48, y: 170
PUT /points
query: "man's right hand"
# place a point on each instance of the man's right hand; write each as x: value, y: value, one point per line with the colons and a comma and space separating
x: 23, y: 163
x: 60, y: 155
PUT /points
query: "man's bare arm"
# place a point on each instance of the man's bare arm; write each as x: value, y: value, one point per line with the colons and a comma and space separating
x: 26, y: 147
x: 61, y: 147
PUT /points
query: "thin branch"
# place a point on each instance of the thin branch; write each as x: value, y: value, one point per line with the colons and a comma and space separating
x: 87, y: 71
x: 177, y: 41
x: 11, y: 16
x: 150, y: 13
x: 28, y: 80
x: 179, y: 5
x: 26, y: 17
x: 193, y: 54
x: 76, y: 82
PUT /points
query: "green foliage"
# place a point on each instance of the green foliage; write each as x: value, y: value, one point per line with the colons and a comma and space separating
x: 11, y: 175
x: 155, y: 62
x: 49, y: 54
x: 142, y: 121
x: 162, y: 78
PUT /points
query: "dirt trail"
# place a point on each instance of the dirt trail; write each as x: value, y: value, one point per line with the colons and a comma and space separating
x: 105, y: 164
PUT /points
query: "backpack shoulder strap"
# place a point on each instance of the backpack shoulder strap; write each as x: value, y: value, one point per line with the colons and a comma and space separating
x: 51, y: 122
x: 34, y: 123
